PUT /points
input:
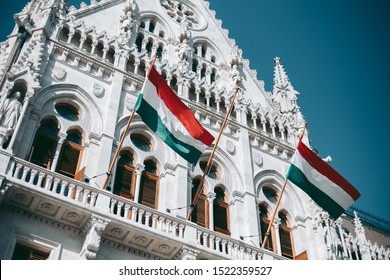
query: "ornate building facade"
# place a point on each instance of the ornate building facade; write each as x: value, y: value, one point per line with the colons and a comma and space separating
x: 69, y: 81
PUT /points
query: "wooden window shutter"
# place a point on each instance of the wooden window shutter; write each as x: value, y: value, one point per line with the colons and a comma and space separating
x: 285, y: 241
x: 123, y: 185
x: 42, y: 151
x: 68, y: 161
x: 199, y: 213
x: 301, y: 256
x: 264, y: 226
x: 221, y: 217
x: 148, y: 190
x: 23, y: 252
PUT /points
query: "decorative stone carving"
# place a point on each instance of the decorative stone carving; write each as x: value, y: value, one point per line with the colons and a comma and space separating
x: 164, y: 249
x: 187, y: 253
x: 231, y: 148
x: 98, y: 90
x: 47, y: 208
x: 73, y: 217
x: 116, y: 232
x: 258, y: 159
x: 141, y: 241
x: 59, y: 73
x: 180, y: 12
x: 130, y: 102
x: 93, y: 233
x: 20, y: 198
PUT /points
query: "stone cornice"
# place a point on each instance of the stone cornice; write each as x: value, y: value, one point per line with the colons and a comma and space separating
x: 38, y: 218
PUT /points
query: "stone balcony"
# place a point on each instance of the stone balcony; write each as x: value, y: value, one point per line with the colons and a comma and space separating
x: 76, y: 205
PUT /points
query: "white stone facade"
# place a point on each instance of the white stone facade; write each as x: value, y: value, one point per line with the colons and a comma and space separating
x: 92, y: 60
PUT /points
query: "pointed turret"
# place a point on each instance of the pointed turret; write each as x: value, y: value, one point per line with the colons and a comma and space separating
x: 284, y: 93
x: 361, y: 238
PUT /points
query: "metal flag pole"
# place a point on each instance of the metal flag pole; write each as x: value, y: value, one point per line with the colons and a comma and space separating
x: 206, y: 170
x: 278, y: 201
x: 108, y: 173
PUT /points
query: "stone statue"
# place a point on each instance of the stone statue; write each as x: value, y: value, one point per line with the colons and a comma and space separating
x: 10, y: 111
x: 126, y: 22
x: 183, y: 49
x: 235, y: 75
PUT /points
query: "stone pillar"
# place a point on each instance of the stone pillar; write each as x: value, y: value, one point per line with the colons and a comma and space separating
x: 57, y: 152
x: 340, y: 229
x: 276, y: 224
x: 210, y: 200
x: 138, y: 171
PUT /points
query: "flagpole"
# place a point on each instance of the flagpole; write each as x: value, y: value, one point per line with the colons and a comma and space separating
x: 206, y: 170
x: 278, y: 201
x: 108, y: 173
x: 118, y: 149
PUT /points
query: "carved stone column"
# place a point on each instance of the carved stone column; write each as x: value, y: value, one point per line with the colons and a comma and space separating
x: 138, y: 170
x: 276, y: 224
x: 93, y: 232
x: 210, y: 200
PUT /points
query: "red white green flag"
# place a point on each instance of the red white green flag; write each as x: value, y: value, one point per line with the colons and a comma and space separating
x: 166, y: 115
x: 321, y: 182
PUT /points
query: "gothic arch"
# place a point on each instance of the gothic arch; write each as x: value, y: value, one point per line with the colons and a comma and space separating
x: 291, y: 202
x: 76, y: 95
x: 165, y: 26
x: 139, y: 127
x: 218, y: 54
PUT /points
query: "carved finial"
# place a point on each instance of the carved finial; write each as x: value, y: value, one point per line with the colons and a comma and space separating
x: 284, y: 93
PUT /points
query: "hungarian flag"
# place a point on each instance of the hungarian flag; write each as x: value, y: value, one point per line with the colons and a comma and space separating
x: 165, y: 114
x: 321, y: 182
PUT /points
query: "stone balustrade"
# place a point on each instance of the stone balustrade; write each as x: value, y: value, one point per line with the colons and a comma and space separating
x: 38, y: 177
x: 144, y: 218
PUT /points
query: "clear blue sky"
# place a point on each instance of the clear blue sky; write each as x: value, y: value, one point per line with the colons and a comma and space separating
x: 336, y: 54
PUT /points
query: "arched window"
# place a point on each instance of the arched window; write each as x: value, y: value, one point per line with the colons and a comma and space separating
x: 203, y: 71
x: 124, y: 184
x: 111, y: 55
x: 141, y: 142
x: 212, y: 76
x: 194, y: 65
x: 173, y: 84
x: 138, y: 41
x: 68, y: 162
x: 152, y: 25
x: 270, y: 194
x: 221, y: 212
x: 149, y: 185
x: 44, y: 145
x: 204, y: 50
x: 192, y: 93
x: 142, y: 69
x: 264, y: 223
x: 99, y: 49
x: 199, y: 214
x: 160, y: 50
x: 130, y: 67
x: 87, y: 46
x: 149, y: 46
x: 67, y: 111
x: 285, y: 237
x: 64, y: 34
x: 76, y: 40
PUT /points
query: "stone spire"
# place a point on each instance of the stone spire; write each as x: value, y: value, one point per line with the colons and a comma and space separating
x: 283, y: 92
x: 361, y: 238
